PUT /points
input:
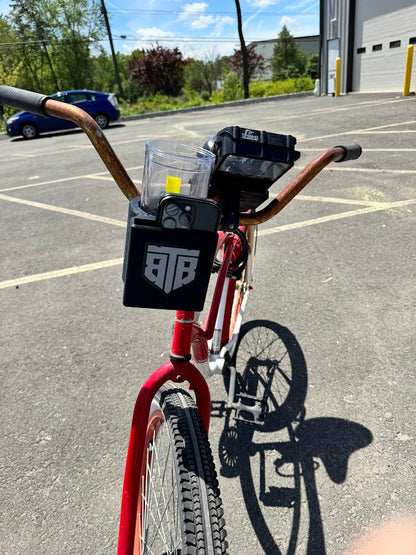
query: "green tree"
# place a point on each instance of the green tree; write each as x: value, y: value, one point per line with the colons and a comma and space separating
x: 54, y: 43
x: 203, y: 76
x: 104, y: 75
x: 79, y: 24
x: 32, y: 21
x: 10, y: 70
x: 287, y: 60
x: 7, y: 58
x: 312, y: 66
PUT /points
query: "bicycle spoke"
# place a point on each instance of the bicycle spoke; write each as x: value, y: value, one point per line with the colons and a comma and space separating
x: 176, y: 467
x: 160, y: 504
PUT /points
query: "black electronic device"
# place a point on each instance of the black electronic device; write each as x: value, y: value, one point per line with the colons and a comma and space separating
x: 247, y: 163
x: 187, y: 213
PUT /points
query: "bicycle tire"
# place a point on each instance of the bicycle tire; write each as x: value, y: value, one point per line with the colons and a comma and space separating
x: 179, y: 507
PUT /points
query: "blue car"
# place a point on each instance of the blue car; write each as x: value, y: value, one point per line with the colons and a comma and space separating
x: 103, y: 107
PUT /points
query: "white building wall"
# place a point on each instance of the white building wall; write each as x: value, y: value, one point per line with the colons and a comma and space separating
x: 379, y: 25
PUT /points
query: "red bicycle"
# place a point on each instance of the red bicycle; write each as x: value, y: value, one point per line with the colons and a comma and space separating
x: 171, y: 501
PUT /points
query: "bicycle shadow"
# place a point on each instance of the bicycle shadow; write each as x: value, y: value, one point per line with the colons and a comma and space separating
x: 273, y: 460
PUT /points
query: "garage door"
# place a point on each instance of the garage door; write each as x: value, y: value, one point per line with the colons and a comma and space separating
x: 383, y: 31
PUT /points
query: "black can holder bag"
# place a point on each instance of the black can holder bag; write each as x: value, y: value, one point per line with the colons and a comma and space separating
x: 166, y: 268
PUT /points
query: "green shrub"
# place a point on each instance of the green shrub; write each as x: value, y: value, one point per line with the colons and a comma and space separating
x: 298, y: 84
x: 232, y: 90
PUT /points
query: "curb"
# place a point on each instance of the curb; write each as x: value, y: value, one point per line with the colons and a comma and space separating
x: 209, y: 107
x: 214, y: 106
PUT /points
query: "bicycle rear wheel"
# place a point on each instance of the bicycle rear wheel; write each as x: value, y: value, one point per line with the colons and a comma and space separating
x: 179, y: 506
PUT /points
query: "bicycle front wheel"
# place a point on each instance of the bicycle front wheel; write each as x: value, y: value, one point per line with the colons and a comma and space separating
x: 179, y: 506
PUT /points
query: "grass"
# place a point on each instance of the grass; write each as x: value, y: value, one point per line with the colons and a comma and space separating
x: 231, y: 91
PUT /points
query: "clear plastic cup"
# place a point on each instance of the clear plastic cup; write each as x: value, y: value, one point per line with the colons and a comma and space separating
x: 171, y: 167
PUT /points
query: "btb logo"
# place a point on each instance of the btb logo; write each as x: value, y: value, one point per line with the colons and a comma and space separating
x: 169, y: 268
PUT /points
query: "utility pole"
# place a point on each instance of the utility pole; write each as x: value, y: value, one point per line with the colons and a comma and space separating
x: 244, y: 54
x: 113, y: 54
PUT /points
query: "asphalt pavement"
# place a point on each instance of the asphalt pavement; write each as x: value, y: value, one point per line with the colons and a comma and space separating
x: 335, y: 271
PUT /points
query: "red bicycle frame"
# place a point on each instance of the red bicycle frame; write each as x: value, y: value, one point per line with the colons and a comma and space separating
x: 187, y: 336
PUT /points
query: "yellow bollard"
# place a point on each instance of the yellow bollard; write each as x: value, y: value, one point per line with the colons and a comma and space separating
x: 408, y: 70
x: 338, y: 77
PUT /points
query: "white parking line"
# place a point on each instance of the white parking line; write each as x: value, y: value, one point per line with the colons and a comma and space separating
x: 391, y: 131
x: 118, y: 261
x: 60, y: 273
x: 333, y: 109
x: 366, y: 130
x: 368, y: 149
x: 61, y: 210
x: 51, y: 182
x: 340, y: 216
x: 101, y: 175
x: 337, y: 200
x: 368, y: 170
x: 75, y: 147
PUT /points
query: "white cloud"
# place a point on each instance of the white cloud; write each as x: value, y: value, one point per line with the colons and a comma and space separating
x: 262, y: 3
x: 154, y: 33
x: 221, y: 22
x: 286, y: 20
x: 195, y: 17
x: 190, y: 10
x: 202, y: 22
x: 149, y: 37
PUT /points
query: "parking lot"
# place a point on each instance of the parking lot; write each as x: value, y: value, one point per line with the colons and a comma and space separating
x: 336, y: 268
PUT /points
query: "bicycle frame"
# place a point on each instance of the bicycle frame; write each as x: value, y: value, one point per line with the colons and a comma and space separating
x: 188, y: 337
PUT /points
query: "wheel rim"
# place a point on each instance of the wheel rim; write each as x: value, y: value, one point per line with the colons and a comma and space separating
x: 157, y: 524
x: 102, y: 121
x: 28, y: 131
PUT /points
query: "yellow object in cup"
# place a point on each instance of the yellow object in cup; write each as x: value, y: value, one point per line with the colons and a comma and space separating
x: 173, y: 184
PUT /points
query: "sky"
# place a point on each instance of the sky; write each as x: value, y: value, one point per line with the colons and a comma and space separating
x: 203, y: 29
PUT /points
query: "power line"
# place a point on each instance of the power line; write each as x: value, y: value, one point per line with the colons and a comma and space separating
x: 176, y: 39
x: 197, y: 13
x: 49, y: 41
x: 128, y: 39
x: 133, y: 38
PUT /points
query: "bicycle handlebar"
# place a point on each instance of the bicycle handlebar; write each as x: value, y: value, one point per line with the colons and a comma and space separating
x: 351, y: 152
x: 45, y: 106
x: 23, y: 100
